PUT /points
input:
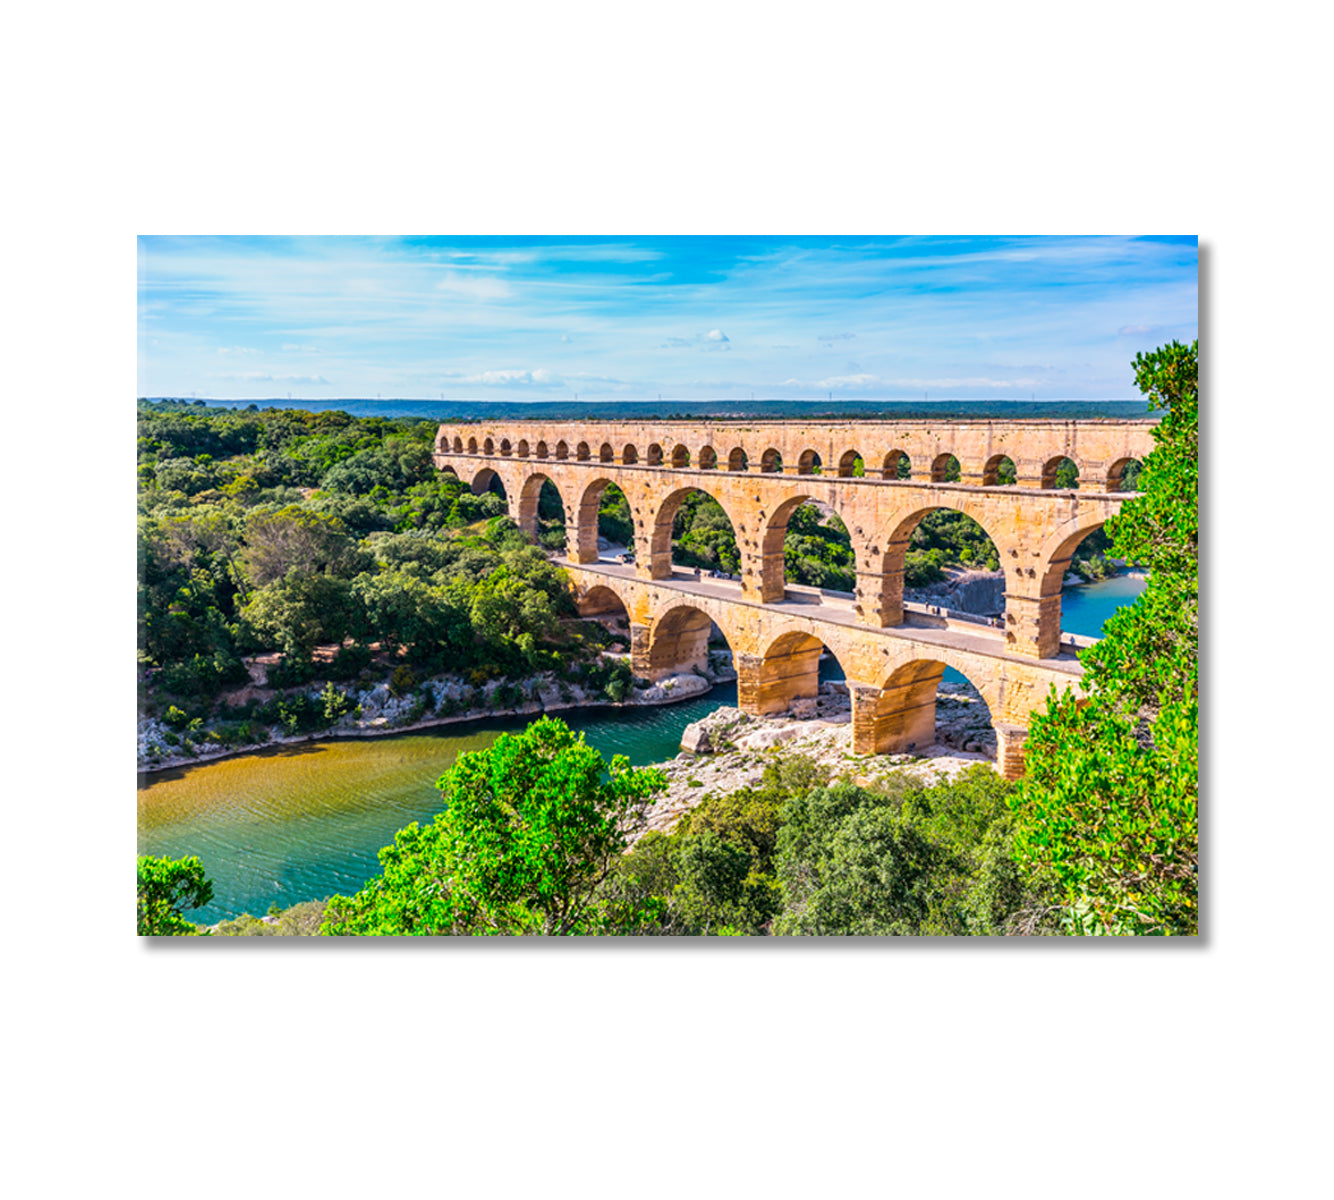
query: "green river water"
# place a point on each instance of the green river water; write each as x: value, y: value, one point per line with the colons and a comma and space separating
x: 301, y: 822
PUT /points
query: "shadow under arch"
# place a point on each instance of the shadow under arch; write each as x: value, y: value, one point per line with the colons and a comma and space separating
x: 896, y: 465
x: 538, y: 518
x: 999, y: 471
x: 1124, y: 474
x: 789, y: 671
x: 487, y: 480
x: 678, y: 642
x: 1060, y: 473
x: 907, y: 716
x: 945, y: 469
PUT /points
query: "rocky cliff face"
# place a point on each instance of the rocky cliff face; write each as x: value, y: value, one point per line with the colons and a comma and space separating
x: 980, y: 592
x: 729, y: 749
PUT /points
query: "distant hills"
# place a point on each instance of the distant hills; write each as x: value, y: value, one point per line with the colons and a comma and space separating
x: 645, y: 410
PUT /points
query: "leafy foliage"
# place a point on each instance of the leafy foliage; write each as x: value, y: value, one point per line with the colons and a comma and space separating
x: 531, y: 828
x: 167, y: 887
x: 799, y: 855
x: 1107, y: 815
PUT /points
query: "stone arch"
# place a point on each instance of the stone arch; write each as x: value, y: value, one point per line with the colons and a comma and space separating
x: 472, y: 445
x: 945, y: 469
x: 904, y: 717
x: 608, y: 608
x: 540, y: 450
x: 605, y: 453
x: 810, y: 463
x: 458, y: 445
x: 505, y: 448
x: 788, y: 670
x: 599, y: 600
x: 489, y: 446
x: 660, y: 529
x: 680, y: 456
x: 678, y: 642
x: 886, y: 559
x: 585, y: 548
x: 738, y: 460
x: 1054, y: 469
x: 1033, y: 597
x: 530, y: 496
x: 708, y: 458
x: 1123, y: 474
x: 772, y: 566
x: 487, y: 480
x: 999, y: 471
x: 562, y: 450
x: 522, y: 448
x: 897, y: 465
x: 654, y: 455
x: 629, y: 455
x: 847, y: 464
x: 582, y: 453
x: 771, y: 461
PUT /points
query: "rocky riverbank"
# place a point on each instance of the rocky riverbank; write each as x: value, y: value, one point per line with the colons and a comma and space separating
x: 729, y: 749
x: 376, y: 711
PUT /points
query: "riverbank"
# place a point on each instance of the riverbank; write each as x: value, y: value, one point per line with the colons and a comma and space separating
x: 440, y: 701
x: 730, y: 749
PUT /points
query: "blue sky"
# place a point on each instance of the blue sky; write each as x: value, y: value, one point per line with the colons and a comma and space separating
x: 638, y: 317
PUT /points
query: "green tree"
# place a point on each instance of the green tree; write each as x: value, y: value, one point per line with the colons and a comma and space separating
x: 531, y: 828
x: 166, y: 888
x: 1107, y: 814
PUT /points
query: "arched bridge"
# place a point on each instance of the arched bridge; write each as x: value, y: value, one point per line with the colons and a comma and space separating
x: 760, y: 473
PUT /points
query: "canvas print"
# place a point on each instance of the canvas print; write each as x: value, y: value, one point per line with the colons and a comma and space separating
x: 668, y: 586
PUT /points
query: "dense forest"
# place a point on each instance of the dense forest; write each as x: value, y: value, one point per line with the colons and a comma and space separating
x: 284, y: 531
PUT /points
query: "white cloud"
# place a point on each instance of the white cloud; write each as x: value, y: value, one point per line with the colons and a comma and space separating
x: 475, y: 287
x: 236, y: 351
x: 541, y: 377
x: 715, y: 339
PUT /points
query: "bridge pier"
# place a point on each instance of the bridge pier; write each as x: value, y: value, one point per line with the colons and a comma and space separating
x: 1010, y: 741
x: 1033, y: 625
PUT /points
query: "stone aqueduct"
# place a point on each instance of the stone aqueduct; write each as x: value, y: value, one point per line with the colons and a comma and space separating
x: 760, y: 472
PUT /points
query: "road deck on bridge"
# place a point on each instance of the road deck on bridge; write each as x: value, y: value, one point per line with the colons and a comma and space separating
x: 817, y: 605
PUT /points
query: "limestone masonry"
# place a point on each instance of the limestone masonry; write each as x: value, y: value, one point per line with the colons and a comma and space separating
x: 760, y: 472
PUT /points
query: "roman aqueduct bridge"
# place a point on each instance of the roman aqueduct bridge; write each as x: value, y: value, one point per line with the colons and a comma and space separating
x: 761, y: 472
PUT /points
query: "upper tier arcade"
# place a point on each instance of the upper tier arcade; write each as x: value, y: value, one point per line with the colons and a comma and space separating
x: 1100, y: 449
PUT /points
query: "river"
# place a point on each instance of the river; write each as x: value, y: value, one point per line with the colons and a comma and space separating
x: 298, y: 822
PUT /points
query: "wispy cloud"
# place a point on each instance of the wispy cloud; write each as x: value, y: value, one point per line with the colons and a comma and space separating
x: 630, y: 316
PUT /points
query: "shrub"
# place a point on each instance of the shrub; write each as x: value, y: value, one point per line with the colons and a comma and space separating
x: 402, y: 681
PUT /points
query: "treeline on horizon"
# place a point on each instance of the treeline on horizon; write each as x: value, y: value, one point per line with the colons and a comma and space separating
x: 681, y: 410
